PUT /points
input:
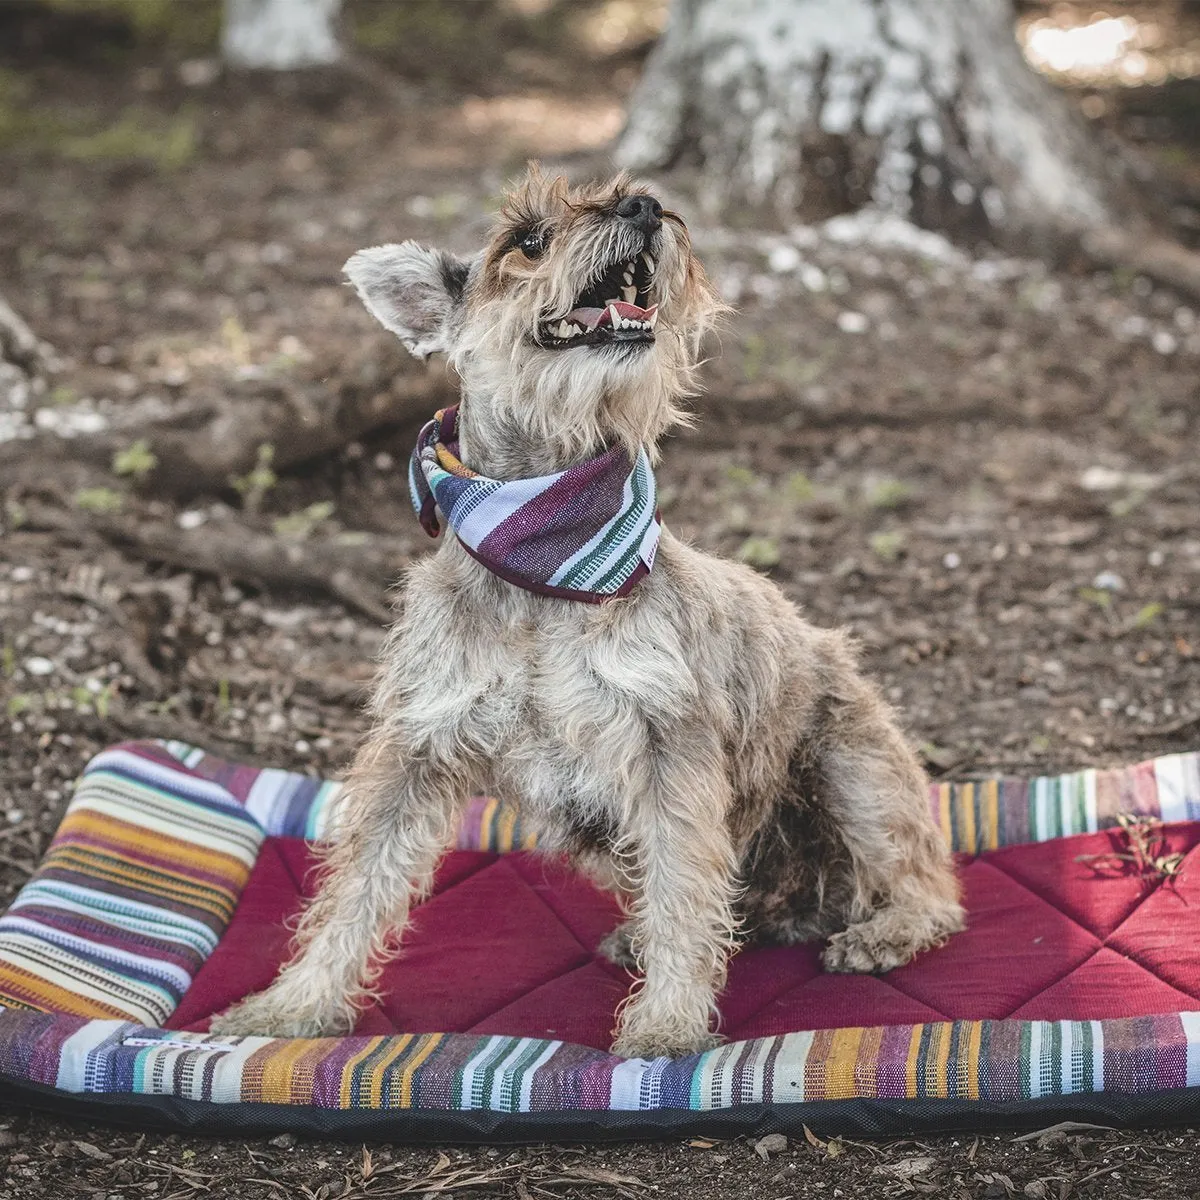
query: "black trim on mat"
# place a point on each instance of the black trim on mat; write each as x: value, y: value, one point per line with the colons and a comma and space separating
x: 861, y: 1117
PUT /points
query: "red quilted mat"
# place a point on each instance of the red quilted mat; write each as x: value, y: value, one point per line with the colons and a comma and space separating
x: 507, y: 945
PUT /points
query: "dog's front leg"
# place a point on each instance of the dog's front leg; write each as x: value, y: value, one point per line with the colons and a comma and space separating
x: 396, y: 818
x: 682, y: 915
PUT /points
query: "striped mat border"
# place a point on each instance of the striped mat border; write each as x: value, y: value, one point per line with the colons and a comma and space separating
x: 147, y: 868
x: 974, y: 815
x: 967, y: 1060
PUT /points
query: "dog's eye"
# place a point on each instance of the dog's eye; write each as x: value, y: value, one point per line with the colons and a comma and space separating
x: 533, y: 243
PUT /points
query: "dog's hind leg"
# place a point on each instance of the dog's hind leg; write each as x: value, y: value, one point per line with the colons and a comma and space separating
x: 399, y: 817
x: 905, y: 896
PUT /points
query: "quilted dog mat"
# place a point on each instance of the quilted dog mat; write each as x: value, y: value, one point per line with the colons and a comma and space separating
x: 1073, y: 993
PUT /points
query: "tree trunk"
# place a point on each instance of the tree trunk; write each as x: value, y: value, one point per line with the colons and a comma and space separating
x: 23, y: 363
x: 814, y: 107
x: 282, y: 35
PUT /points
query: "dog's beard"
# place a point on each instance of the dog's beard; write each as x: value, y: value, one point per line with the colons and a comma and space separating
x: 580, y: 401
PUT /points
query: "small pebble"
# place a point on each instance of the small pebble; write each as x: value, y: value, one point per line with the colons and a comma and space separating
x: 852, y: 322
x: 784, y: 259
x: 952, y: 561
x: 285, y: 1141
x: 38, y: 666
x: 1109, y: 581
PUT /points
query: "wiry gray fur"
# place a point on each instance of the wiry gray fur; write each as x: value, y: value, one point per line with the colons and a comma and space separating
x: 698, y: 746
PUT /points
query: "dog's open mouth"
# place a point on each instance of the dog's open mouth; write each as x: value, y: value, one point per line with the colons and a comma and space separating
x: 613, y: 309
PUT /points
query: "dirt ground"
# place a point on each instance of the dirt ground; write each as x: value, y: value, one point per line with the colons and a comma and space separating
x: 984, y: 466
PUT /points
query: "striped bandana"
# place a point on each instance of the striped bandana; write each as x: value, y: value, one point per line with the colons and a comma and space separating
x: 588, y: 533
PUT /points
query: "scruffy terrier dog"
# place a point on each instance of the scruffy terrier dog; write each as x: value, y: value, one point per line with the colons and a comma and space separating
x: 666, y: 718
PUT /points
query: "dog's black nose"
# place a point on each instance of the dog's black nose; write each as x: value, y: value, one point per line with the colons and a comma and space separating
x: 643, y: 211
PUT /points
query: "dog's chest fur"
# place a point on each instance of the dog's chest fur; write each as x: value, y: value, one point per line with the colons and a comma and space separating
x: 562, y: 707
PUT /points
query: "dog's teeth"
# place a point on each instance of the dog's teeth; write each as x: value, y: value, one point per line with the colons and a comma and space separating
x: 652, y: 319
x: 613, y: 315
x: 649, y: 263
x: 576, y: 330
x: 564, y: 330
x: 628, y: 277
x: 629, y: 295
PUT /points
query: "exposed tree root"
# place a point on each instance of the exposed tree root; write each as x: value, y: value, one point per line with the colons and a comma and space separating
x: 1164, y: 261
x: 215, y: 439
x: 18, y: 343
x: 357, y: 574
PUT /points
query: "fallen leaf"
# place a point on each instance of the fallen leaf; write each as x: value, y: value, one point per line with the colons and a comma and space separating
x: 908, y: 1168
x: 92, y: 1152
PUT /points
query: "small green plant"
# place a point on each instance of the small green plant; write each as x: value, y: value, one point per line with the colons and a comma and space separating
x: 740, y: 477
x: 888, y: 494
x: 300, y: 524
x: 137, y: 459
x: 1147, y: 615
x: 15, y: 514
x: 62, y: 395
x: 1130, y: 502
x: 798, y: 488
x: 136, y: 135
x: 8, y: 660
x: 223, y: 699
x: 19, y: 703
x: 258, y: 481
x: 754, y: 356
x: 1100, y: 597
x: 236, y: 340
x: 760, y: 552
x: 887, y: 544
x: 99, y: 500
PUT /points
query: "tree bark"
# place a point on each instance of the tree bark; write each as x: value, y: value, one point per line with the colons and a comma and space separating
x: 281, y: 35
x: 18, y: 343
x: 24, y: 363
x: 203, y: 448
x: 814, y: 107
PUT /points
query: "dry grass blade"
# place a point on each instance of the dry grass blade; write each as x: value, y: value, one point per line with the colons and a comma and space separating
x: 600, y: 1175
x: 1145, y: 852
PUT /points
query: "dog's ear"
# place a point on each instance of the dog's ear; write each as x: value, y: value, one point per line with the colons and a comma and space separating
x: 411, y: 290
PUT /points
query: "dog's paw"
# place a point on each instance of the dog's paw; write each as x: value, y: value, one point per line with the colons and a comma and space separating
x: 262, y: 1015
x: 617, y: 947
x: 869, y: 948
x: 662, y: 1044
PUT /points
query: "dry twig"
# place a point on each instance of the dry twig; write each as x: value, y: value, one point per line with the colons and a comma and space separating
x: 1146, y: 851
